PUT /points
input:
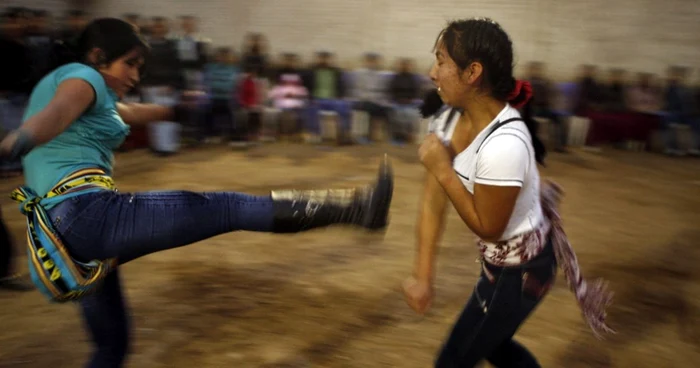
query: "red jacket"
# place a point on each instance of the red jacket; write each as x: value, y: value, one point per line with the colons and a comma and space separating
x: 248, y: 93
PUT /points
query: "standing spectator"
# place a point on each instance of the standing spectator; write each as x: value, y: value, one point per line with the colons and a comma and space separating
x: 541, y: 105
x: 370, y: 89
x: 221, y: 77
x: 164, y: 76
x: 643, y: 96
x: 614, y: 92
x: 680, y: 108
x: 590, y: 95
x: 404, y: 90
x: 192, y: 52
x: 255, y: 55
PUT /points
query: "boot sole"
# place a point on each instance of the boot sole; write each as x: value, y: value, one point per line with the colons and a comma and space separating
x: 381, y: 198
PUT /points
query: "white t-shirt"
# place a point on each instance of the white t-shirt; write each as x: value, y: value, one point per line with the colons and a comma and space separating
x: 504, y: 157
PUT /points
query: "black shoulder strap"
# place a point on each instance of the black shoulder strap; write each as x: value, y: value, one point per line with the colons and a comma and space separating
x: 498, y: 125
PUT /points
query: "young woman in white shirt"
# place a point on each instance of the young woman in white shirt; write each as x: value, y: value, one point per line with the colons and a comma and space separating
x: 482, y: 157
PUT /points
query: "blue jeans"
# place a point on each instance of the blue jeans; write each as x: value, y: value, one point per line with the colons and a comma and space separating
x: 128, y: 226
x: 341, y: 107
x: 404, y: 121
x: 670, y: 138
x: 495, y: 311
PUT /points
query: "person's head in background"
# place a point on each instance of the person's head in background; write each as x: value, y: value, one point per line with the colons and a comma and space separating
x: 535, y: 70
x: 589, y: 71
x: 188, y: 23
x: 13, y: 24
x: 373, y: 61
x: 405, y: 66
x: 40, y: 23
x: 645, y: 80
x: 677, y: 74
x: 160, y: 27
x: 255, y: 44
x: 290, y: 60
x: 225, y: 55
x: 324, y: 59
x: 134, y: 19
x: 617, y: 76
x: 76, y: 21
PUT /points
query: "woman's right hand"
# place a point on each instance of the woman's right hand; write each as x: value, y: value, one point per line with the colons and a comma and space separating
x: 419, y: 294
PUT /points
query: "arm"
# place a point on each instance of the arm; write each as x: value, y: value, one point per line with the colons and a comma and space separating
x: 72, y: 98
x: 429, y: 227
x: 501, y: 166
x: 143, y: 113
x: 488, y: 211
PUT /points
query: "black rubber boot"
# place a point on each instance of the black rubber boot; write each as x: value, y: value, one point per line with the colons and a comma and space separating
x: 367, y: 207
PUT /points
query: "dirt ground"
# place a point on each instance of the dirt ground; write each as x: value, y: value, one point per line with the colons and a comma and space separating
x: 330, y: 298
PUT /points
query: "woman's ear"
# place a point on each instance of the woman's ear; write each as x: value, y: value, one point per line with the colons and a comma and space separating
x: 472, y: 73
x: 97, y: 57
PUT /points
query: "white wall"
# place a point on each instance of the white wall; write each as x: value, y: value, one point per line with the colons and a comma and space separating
x: 635, y: 34
x: 57, y: 7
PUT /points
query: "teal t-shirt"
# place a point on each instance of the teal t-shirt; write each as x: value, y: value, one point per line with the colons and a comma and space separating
x: 87, y: 143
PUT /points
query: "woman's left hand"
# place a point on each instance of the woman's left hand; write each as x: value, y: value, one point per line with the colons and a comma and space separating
x: 434, y: 155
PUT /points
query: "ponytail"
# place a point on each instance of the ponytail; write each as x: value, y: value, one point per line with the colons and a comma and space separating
x: 432, y: 103
x: 521, y: 97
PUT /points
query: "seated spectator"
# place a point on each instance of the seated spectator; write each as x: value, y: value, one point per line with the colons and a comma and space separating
x: 327, y: 91
x: 590, y: 94
x: 541, y: 105
x: 643, y: 97
x: 614, y: 92
x: 370, y: 89
x: 289, y: 93
x: 404, y: 92
x: 221, y: 77
x: 250, y: 100
x: 680, y: 108
x: 289, y: 65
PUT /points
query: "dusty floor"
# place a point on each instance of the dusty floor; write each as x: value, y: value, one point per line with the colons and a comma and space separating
x: 330, y: 298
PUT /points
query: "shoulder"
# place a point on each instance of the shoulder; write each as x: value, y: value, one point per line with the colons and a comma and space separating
x: 511, y: 139
x: 87, y: 74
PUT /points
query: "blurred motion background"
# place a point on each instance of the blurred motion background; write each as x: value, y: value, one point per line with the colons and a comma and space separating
x: 300, y: 93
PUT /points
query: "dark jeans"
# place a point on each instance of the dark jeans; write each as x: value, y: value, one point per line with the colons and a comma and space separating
x: 495, y: 311
x: 670, y: 138
x: 128, y: 226
x: 374, y: 110
x: 341, y: 107
x: 221, y: 110
x: 558, y: 132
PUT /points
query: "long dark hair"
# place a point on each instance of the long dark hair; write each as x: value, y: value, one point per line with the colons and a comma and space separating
x: 113, y: 36
x: 483, y: 40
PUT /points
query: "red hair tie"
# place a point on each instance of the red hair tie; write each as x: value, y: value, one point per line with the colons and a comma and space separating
x: 521, y: 94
